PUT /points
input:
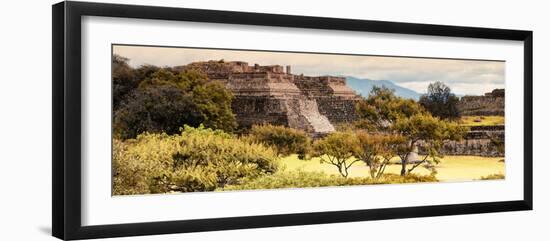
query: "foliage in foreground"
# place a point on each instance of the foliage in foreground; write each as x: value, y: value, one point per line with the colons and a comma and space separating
x: 196, y: 160
x: 493, y: 177
x: 301, y: 179
x: 284, y: 140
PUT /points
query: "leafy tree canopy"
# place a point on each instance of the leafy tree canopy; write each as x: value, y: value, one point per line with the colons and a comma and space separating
x: 376, y: 150
x: 382, y: 108
x: 440, y: 101
x: 337, y: 149
x: 284, y: 140
x: 166, y: 100
x: 429, y: 130
x: 124, y: 80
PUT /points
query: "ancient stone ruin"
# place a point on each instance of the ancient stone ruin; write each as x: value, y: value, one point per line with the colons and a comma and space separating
x: 272, y: 94
x: 479, y: 141
x: 491, y: 103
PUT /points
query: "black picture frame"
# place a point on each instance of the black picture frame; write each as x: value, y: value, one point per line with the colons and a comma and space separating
x: 66, y: 127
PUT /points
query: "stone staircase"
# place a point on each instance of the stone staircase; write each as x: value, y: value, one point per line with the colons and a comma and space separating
x: 318, y: 122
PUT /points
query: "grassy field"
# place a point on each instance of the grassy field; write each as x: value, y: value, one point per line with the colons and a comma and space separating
x: 451, y: 168
x: 482, y: 120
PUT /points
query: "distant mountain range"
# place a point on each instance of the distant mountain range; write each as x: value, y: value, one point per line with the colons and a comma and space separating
x: 364, y: 86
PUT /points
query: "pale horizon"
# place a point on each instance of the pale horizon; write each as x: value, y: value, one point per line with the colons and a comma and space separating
x: 464, y: 77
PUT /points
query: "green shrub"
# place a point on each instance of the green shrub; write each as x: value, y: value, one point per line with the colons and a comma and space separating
x: 301, y: 179
x: 409, y: 178
x: 284, y: 140
x: 296, y: 179
x: 196, y: 160
x: 493, y: 177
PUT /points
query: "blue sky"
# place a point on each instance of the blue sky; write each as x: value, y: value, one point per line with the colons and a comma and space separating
x: 465, y: 77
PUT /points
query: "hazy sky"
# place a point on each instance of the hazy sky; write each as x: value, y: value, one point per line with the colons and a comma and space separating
x: 463, y: 76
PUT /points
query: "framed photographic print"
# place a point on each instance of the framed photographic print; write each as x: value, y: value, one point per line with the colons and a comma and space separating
x: 169, y: 120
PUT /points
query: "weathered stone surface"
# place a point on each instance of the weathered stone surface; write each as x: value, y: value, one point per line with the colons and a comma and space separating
x: 268, y: 94
x: 335, y: 99
x: 491, y: 103
x: 479, y: 141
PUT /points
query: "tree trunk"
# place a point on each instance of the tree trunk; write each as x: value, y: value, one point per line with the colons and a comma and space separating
x: 403, y: 167
x: 404, y: 159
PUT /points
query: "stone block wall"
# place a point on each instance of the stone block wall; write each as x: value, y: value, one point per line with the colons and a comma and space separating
x: 491, y: 103
x: 269, y: 94
x: 479, y: 141
x: 335, y: 99
x: 338, y: 109
x: 259, y: 110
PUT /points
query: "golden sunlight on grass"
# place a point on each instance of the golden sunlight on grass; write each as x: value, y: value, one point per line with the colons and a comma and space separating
x: 482, y: 120
x: 451, y: 168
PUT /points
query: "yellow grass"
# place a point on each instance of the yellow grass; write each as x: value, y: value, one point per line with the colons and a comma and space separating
x: 451, y: 168
x: 483, y: 120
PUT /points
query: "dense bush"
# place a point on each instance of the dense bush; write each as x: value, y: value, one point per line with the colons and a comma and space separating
x: 167, y: 100
x: 155, y: 110
x: 284, y: 140
x: 196, y: 160
x: 409, y: 178
x: 296, y: 179
x: 301, y: 179
x: 124, y: 80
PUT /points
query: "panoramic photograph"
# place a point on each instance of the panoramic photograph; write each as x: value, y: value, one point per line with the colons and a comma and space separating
x: 209, y: 120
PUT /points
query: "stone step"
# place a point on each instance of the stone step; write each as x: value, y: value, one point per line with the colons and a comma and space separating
x: 318, y: 122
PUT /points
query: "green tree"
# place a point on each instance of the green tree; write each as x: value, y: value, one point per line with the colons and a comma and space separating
x: 124, y: 79
x: 155, y: 109
x: 429, y: 130
x: 337, y: 149
x: 382, y: 108
x: 376, y: 150
x: 144, y: 72
x: 167, y: 100
x: 440, y: 101
x: 284, y: 140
